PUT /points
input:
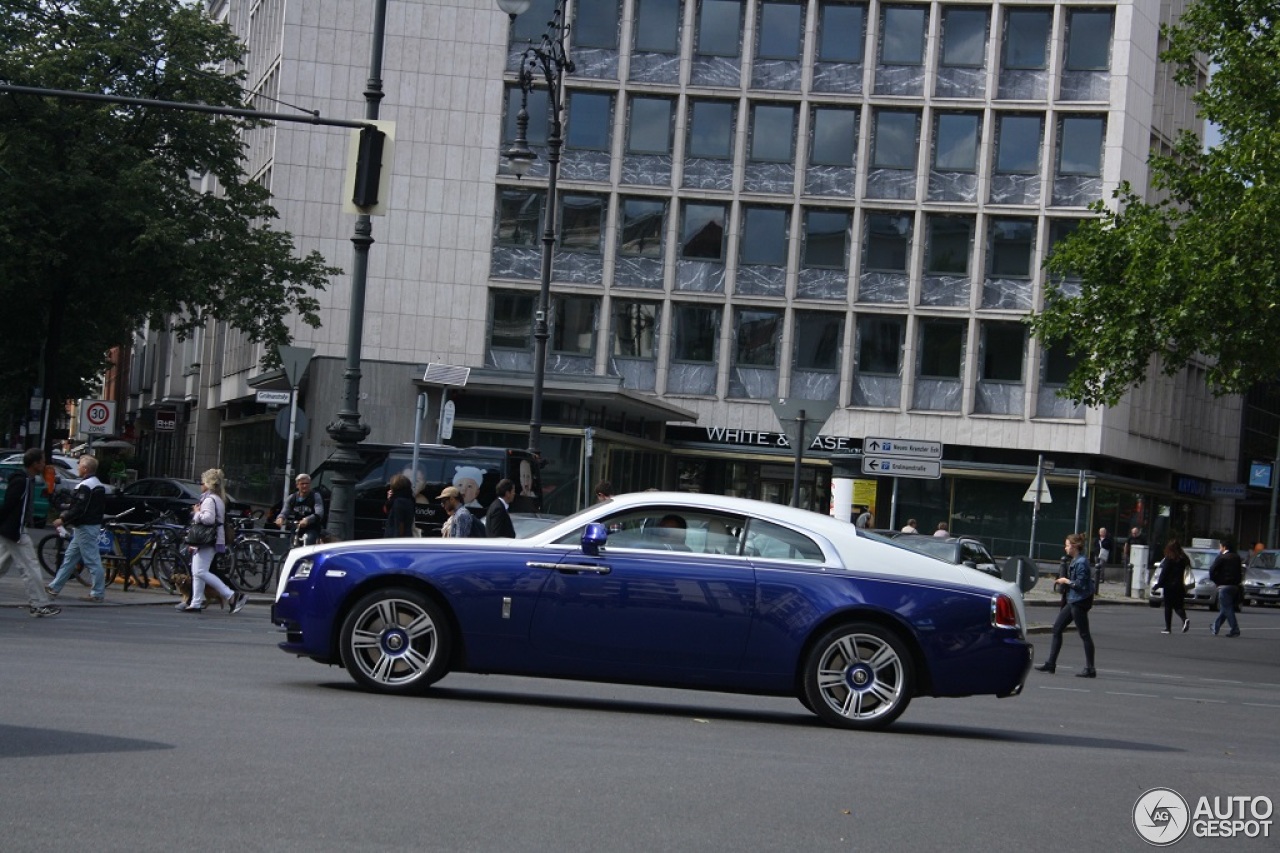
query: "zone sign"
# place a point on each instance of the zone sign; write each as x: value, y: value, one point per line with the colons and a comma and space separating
x: 97, y: 417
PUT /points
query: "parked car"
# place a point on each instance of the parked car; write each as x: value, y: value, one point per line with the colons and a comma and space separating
x: 152, y: 496
x: 958, y: 550
x: 529, y: 523
x: 667, y: 589
x: 1262, y: 578
x: 1200, y: 590
x: 66, y: 470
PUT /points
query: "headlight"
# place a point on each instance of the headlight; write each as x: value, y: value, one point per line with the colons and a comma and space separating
x: 302, y: 568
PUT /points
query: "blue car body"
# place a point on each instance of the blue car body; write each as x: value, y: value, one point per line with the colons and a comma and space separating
x: 691, y: 617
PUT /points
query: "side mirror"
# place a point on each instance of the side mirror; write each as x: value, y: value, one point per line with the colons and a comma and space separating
x: 593, y: 538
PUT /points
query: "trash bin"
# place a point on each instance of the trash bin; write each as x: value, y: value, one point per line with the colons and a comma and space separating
x: 1138, y: 570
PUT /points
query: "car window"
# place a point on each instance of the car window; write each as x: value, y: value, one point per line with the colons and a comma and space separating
x: 670, y: 529
x: 974, y: 553
x: 939, y: 549
x: 140, y: 489
x: 775, y: 542
x: 164, y: 489
x: 1264, y: 560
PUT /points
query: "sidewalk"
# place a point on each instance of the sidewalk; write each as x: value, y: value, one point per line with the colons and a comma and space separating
x: 13, y: 593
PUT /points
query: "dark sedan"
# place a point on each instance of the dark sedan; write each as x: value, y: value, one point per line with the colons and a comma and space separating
x: 670, y: 590
x: 152, y: 496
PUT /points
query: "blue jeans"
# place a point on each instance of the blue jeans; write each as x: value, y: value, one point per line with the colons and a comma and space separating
x: 1228, y: 601
x: 83, y: 549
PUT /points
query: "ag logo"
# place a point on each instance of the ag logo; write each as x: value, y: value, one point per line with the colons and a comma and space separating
x: 1161, y: 816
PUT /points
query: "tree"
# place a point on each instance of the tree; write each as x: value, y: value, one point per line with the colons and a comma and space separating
x: 104, y: 223
x: 1193, y: 277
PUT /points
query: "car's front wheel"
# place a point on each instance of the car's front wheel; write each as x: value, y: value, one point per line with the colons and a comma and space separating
x: 859, y: 676
x: 396, y: 641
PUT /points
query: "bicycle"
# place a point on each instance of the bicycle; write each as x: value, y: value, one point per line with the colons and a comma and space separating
x: 252, y: 560
x: 158, y: 555
x: 53, y: 548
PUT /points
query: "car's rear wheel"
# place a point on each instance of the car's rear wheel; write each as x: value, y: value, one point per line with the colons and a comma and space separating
x: 396, y: 641
x: 859, y: 676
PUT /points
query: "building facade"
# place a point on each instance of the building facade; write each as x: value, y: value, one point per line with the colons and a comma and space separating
x: 821, y: 200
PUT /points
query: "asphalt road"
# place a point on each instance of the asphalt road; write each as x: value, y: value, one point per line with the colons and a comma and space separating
x: 139, y: 728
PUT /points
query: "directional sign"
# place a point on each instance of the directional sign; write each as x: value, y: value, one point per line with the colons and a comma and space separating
x: 912, y: 448
x: 924, y: 469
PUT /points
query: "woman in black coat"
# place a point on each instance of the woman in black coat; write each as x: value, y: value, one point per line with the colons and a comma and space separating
x: 1172, y: 570
x: 399, y: 508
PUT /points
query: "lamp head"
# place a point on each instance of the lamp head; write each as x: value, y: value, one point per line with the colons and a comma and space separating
x: 515, y: 7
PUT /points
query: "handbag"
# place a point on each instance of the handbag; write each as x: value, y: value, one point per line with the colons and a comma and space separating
x: 201, y: 535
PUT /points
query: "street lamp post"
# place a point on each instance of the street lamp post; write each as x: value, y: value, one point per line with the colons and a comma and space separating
x: 348, y: 430
x: 550, y: 59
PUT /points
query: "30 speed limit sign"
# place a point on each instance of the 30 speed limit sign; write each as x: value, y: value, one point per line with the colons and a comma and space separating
x: 97, y: 417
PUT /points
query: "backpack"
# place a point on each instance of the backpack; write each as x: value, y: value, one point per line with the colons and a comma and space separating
x: 477, y: 526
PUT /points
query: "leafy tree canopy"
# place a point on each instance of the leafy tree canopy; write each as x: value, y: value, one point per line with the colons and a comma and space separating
x: 105, y: 221
x: 1195, y: 275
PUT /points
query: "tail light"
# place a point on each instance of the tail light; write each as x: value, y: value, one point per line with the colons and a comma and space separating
x: 1003, y: 613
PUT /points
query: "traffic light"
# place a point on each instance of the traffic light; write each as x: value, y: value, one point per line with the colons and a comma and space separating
x: 368, y: 167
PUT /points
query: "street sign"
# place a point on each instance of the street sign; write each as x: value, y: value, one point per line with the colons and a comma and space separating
x: 166, y: 420
x: 788, y: 413
x: 299, y: 424
x: 278, y: 398
x: 446, y: 420
x: 97, y: 417
x: 924, y: 469
x: 294, y: 361
x: 912, y: 448
x: 1045, y: 497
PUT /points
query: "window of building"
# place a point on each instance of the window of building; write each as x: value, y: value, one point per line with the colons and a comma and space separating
x: 592, y: 114
x: 1088, y: 40
x: 764, y: 236
x: 841, y: 31
x: 694, y: 336
x: 512, y: 320
x: 1080, y: 145
x: 880, y: 344
x: 772, y: 133
x: 964, y: 37
x: 720, y: 28
x: 536, y: 134
x: 1003, y: 351
x: 1011, y: 248
x: 818, y: 339
x: 941, y: 348
x: 955, y: 141
x: 635, y: 327
x: 657, y: 26
x: 950, y: 242
x: 533, y: 23
x: 643, y: 223
x: 711, y: 129
x: 897, y: 139
x: 519, y: 216
x: 888, y: 242
x: 574, y: 328
x: 595, y: 25
x: 1018, y: 144
x: 581, y: 222
x: 780, y: 30
x: 702, y: 232
x: 835, y: 137
x: 758, y: 333
x: 902, y: 35
x: 649, y: 127
x: 826, y: 239
x: 1058, y: 363
x: 1026, y: 38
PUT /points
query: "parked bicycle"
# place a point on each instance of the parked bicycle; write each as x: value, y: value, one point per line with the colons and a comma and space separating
x: 252, y: 562
x: 136, y: 554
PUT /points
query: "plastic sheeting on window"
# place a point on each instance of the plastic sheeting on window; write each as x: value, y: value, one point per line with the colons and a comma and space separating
x: 699, y: 276
x: 706, y: 174
x: 891, y: 183
x: 999, y: 398
x: 655, y: 68
x: 586, y: 165
x: 647, y: 170
x: 512, y: 262
x: 883, y: 287
x: 777, y: 178
x: 753, y: 383
x: 758, y: 280
x: 1084, y: 86
x: 960, y: 82
x: 691, y: 379
x: 1011, y: 293
x: 938, y: 395
x: 598, y: 63
x: 876, y: 392
x: 1050, y: 405
x: 721, y: 71
x: 1015, y: 189
x: 900, y: 80
x: 953, y: 186
x: 638, y: 272
x: 830, y: 181
x: 1076, y: 190
x: 636, y: 374
x: 822, y: 284
x: 1023, y: 85
x: 951, y: 291
x: 780, y: 75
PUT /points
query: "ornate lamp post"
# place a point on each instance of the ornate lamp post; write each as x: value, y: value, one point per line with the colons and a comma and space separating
x: 551, y: 60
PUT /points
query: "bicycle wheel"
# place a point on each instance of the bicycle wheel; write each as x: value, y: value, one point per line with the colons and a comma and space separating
x: 50, y: 550
x: 167, y: 559
x: 253, y: 565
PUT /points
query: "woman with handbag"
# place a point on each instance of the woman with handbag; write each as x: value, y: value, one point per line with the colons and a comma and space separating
x: 206, y: 538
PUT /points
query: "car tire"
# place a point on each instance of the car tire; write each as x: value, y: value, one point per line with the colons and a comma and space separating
x: 859, y: 676
x: 396, y: 640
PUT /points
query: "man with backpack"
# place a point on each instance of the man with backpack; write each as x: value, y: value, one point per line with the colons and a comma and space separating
x: 461, y: 524
x: 303, y: 512
x: 15, y: 542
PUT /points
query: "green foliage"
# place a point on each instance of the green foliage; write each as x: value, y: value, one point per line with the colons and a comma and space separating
x: 104, y: 222
x: 1193, y: 279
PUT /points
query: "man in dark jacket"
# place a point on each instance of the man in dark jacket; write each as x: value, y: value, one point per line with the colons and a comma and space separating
x: 497, y: 521
x: 15, y: 542
x: 84, y: 516
x: 1228, y: 573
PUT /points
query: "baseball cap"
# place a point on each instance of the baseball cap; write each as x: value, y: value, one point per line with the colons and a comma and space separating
x: 449, y: 492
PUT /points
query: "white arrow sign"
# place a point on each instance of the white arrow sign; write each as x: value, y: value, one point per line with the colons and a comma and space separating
x: 925, y: 469
x: 900, y: 447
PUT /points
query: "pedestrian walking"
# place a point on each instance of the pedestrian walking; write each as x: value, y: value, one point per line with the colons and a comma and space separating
x: 1227, y: 572
x: 497, y: 521
x: 83, y: 518
x: 1079, y: 584
x: 211, y: 511
x: 1170, y: 579
x: 399, y: 508
x: 461, y: 523
x: 15, y: 541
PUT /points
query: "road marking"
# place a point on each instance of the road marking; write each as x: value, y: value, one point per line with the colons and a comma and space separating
x: 1259, y: 705
x: 1161, y: 675
x: 1143, y: 695
x: 1221, y: 681
x: 1069, y: 689
x: 1206, y: 701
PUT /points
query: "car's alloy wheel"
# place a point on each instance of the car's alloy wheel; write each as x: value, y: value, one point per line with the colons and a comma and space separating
x: 396, y: 641
x: 859, y: 676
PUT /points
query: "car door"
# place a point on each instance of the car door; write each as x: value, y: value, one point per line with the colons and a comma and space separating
x: 650, y: 603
